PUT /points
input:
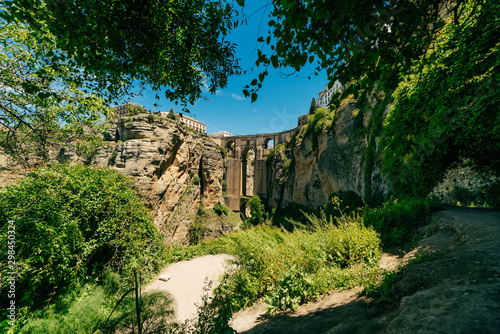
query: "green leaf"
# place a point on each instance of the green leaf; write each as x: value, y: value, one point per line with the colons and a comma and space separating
x: 254, y: 97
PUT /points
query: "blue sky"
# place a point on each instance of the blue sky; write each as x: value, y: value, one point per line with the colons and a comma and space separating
x: 281, y: 99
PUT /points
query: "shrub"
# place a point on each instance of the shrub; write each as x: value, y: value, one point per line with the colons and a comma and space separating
x: 396, y: 220
x: 290, y: 291
x: 71, y: 223
x: 221, y: 209
x: 196, y: 180
x: 321, y: 120
x: 267, y: 255
x: 257, y: 210
x: 150, y: 118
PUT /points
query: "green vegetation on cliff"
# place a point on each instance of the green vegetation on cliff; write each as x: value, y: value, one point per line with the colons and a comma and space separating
x: 447, y: 109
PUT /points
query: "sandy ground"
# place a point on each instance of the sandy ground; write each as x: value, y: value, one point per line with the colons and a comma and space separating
x: 185, y: 281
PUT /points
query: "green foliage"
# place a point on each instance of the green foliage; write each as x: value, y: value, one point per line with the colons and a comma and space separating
x: 72, y: 222
x: 343, y: 202
x: 82, y: 314
x: 171, y: 114
x: 157, y: 315
x: 223, y: 151
x: 196, y: 180
x: 281, y: 147
x: 221, y: 209
x: 360, y: 46
x: 396, y: 220
x: 317, y: 123
x: 313, y: 107
x: 176, y: 47
x: 198, y: 230
x: 448, y: 110
x: 213, y: 316
x: 150, y: 118
x: 134, y: 109
x: 41, y: 105
x: 290, y: 292
x: 257, y: 211
x: 265, y: 254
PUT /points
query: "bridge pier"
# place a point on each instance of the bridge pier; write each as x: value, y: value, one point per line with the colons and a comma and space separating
x: 236, y: 170
x: 233, y: 176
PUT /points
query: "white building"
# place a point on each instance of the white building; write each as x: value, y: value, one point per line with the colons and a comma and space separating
x: 193, y: 123
x: 325, y: 96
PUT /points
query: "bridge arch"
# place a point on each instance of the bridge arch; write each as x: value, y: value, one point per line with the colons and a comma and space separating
x: 238, y: 176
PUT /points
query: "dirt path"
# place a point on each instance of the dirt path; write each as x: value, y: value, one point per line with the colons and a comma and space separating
x: 185, y: 282
x: 456, y: 292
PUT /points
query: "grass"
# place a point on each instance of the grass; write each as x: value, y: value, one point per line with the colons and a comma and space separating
x: 284, y: 268
x: 328, y: 253
x: 334, y: 255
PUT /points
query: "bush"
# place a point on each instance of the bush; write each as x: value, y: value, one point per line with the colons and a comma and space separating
x: 221, y: 209
x: 71, y: 223
x: 196, y: 180
x: 290, y: 291
x: 266, y: 256
x: 396, y: 220
x: 257, y: 211
x: 321, y: 120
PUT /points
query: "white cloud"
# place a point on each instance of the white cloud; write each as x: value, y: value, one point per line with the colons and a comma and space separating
x: 237, y: 97
x: 255, y: 110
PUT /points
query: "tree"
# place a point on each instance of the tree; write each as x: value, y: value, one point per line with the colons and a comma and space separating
x: 357, y: 42
x: 313, y: 107
x: 72, y: 223
x: 135, y: 108
x: 40, y: 104
x: 171, y: 113
x: 176, y: 46
x: 257, y: 210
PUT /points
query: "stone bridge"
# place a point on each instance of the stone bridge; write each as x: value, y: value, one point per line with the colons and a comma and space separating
x: 238, y: 148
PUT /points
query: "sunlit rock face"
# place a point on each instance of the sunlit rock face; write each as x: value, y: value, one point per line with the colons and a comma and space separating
x: 338, y: 163
x: 176, y: 170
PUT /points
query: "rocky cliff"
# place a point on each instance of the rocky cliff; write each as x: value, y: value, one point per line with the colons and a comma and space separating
x: 177, y: 171
x: 339, y: 162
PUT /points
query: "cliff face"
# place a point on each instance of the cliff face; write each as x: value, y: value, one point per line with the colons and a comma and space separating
x: 338, y: 163
x: 176, y: 170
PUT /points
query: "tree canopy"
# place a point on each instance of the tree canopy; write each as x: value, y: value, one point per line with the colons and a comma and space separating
x: 357, y: 42
x: 40, y: 102
x: 175, y: 46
